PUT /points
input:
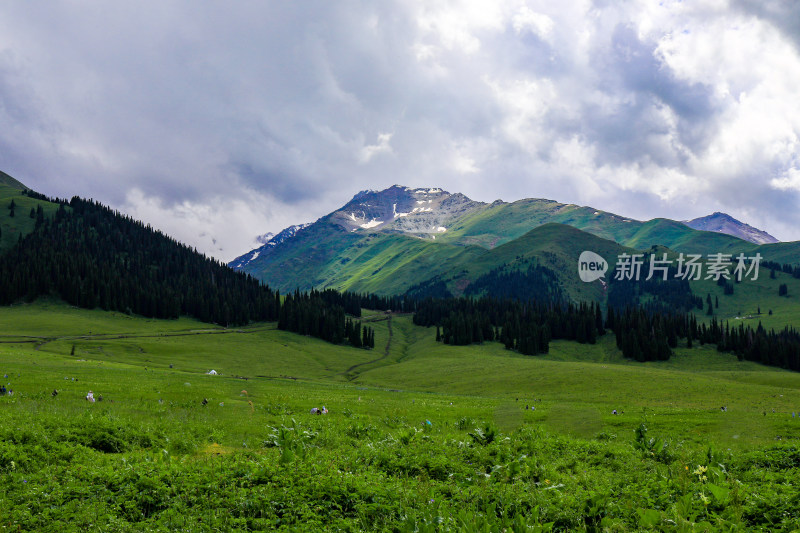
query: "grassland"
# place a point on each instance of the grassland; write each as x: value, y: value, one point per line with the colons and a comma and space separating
x: 752, y: 301
x: 420, y: 436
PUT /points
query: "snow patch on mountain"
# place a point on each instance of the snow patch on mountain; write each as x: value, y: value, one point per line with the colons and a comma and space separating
x: 418, y: 211
x: 371, y: 224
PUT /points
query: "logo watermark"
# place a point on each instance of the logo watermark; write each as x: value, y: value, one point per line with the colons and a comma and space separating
x: 592, y: 266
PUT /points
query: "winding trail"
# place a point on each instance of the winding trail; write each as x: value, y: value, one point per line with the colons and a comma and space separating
x: 347, y: 372
x: 41, y: 341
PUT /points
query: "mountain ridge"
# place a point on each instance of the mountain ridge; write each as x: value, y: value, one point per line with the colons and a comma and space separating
x: 724, y: 223
x: 378, y: 243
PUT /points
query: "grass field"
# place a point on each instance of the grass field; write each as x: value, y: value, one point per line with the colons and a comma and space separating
x: 420, y: 436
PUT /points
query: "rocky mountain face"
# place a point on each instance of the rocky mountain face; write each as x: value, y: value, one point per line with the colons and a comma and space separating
x: 724, y: 223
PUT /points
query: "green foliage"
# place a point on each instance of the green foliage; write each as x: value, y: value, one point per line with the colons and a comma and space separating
x: 485, y: 435
x: 255, y: 459
x: 655, y: 447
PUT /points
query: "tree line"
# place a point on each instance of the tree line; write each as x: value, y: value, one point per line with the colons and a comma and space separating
x: 641, y: 333
x: 93, y: 257
x: 527, y: 327
x: 792, y: 270
x: 319, y: 315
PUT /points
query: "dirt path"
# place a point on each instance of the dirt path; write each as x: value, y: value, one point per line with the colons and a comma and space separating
x: 347, y: 373
x: 41, y: 341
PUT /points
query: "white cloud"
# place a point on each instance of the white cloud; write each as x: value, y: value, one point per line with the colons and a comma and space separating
x: 789, y: 181
x: 527, y: 19
x: 224, y: 227
x: 381, y: 147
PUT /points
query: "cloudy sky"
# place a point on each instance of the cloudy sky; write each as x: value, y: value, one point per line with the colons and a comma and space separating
x: 219, y: 121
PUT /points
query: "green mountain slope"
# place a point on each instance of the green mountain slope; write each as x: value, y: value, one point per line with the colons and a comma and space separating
x: 501, y: 222
x: 386, y: 241
x: 21, y: 224
x: 8, y: 181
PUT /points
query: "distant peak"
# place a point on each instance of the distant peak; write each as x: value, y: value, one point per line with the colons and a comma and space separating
x: 362, y: 194
x: 724, y: 223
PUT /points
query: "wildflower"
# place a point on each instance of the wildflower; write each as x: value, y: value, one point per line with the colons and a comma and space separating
x: 546, y: 481
x: 705, y: 499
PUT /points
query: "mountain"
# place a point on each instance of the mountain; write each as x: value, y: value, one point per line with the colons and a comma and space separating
x: 419, y: 212
x: 16, y: 226
x: 268, y: 241
x: 8, y: 181
x: 401, y: 238
x: 724, y: 223
x: 91, y: 256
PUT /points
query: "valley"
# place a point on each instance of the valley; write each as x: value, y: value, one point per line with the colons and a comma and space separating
x: 396, y: 437
x: 203, y: 379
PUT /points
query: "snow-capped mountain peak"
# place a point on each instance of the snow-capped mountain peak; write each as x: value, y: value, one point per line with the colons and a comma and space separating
x: 424, y: 211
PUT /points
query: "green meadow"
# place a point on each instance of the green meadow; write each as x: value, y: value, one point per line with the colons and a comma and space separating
x: 419, y: 436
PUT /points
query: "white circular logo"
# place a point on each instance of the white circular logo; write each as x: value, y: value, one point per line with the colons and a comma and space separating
x: 591, y: 266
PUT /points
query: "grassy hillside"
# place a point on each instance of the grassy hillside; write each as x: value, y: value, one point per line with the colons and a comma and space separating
x: 21, y: 223
x: 558, y: 247
x: 420, y: 436
x: 8, y: 181
x: 300, y: 261
x: 750, y: 296
x: 501, y: 223
x: 392, y: 263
